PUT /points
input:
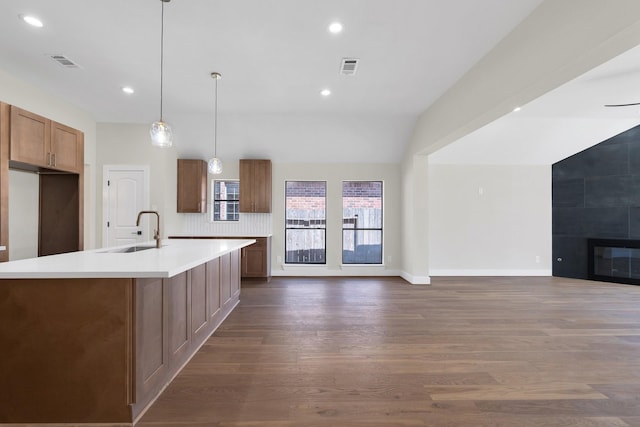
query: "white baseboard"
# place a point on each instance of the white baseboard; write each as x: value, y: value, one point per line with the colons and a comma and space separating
x: 310, y: 271
x: 536, y: 273
x: 416, y: 280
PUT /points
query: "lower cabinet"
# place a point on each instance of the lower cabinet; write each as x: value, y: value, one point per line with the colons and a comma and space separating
x: 150, y: 336
x: 174, y: 317
x: 100, y: 350
x: 256, y: 259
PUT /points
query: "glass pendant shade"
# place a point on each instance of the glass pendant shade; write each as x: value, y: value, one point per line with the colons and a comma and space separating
x: 161, y: 135
x: 215, y: 166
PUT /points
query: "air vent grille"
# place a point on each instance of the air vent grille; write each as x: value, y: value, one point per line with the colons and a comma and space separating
x: 64, y: 61
x: 349, y: 66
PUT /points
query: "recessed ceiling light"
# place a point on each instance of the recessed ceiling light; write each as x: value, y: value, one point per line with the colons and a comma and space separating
x: 128, y: 90
x: 31, y: 20
x: 515, y: 110
x: 325, y: 92
x: 335, y: 28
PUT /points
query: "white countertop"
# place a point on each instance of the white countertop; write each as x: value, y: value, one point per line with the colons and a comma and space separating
x: 174, y: 257
x: 221, y: 235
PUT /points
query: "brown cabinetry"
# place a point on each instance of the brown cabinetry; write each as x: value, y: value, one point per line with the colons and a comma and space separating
x: 67, y: 148
x: 256, y: 258
x: 192, y: 186
x: 34, y: 143
x: 175, y: 316
x: 38, y: 141
x: 255, y: 186
x: 152, y: 356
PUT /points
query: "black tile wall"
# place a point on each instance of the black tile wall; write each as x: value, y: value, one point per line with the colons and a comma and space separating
x: 599, y: 160
x: 568, y: 193
x: 596, y: 194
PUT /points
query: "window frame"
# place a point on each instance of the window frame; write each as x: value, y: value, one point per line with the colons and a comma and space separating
x: 354, y: 229
x: 287, y: 227
x: 214, y: 200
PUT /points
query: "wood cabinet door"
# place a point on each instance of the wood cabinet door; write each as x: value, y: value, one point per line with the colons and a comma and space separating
x: 192, y: 186
x: 262, y: 186
x: 254, y: 259
x: 30, y: 138
x: 255, y: 186
x: 225, y: 279
x: 234, y: 283
x: 67, y: 148
x: 199, y: 297
x: 179, y: 320
x: 150, y: 325
x: 213, y: 289
x: 246, y: 185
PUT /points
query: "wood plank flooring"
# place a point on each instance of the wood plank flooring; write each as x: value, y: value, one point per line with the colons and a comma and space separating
x: 378, y: 352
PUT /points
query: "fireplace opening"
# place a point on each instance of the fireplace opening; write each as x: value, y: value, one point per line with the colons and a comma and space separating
x: 613, y: 260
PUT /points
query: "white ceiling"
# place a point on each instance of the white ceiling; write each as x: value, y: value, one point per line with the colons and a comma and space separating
x: 275, y: 55
x: 560, y: 123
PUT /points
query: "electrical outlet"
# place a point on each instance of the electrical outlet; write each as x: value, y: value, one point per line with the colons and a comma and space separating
x: 279, y: 259
x: 389, y: 259
x: 537, y: 259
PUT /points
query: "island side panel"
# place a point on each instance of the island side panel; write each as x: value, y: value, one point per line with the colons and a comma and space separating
x: 67, y: 348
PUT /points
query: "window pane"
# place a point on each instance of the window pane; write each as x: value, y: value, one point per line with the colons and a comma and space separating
x: 362, y: 222
x: 226, y: 211
x: 306, y: 203
x: 362, y: 204
x: 305, y: 222
x: 305, y: 246
x: 226, y: 190
x: 226, y: 196
x: 362, y: 246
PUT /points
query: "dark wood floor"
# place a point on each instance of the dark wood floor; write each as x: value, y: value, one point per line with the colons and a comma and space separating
x: 500, y: 352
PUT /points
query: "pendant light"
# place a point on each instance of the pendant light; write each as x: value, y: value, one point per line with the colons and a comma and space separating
x: 215, y: 164
x: 160, y: 132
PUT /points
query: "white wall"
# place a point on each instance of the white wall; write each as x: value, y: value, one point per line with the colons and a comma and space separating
x: 489, y: 220
x: 334, y: 174
x: 24, y: 189
x: 129, y: 144
x: 559, y: 41
x: 16, y: 92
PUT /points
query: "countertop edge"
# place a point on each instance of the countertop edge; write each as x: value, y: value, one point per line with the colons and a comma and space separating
x: 54, y: 268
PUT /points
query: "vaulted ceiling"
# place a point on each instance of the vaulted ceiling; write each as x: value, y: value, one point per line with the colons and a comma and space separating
x: 275, y: 57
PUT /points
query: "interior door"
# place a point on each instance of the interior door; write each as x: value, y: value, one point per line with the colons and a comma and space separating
x: 126, y: 190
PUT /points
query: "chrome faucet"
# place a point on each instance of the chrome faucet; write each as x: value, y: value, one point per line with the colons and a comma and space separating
x: 156, y: 233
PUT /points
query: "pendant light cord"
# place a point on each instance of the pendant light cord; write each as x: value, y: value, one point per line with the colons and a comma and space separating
x: 215, y: 123
x: 161, y: 54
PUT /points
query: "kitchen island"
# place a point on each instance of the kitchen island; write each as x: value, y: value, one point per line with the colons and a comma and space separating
x: 95, y: 336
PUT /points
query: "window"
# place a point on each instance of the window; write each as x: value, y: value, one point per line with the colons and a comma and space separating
x: 226, y: 200
x: 305, y: 218
x: 362, y: 222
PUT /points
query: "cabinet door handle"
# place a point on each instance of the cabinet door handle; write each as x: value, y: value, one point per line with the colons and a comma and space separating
x: 53, y: 156
x: 48, y: 159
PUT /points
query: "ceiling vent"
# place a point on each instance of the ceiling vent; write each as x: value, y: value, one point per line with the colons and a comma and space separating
x: 349, y: 66
x: 64, y: 61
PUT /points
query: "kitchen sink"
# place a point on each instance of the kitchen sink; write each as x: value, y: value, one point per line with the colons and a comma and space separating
x: 130, y: 249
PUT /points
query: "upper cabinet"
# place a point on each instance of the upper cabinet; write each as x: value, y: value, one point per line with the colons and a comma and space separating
x: 255, y: 186
x: 67, y: 148
x: 38, y: 141
x: 192, y: 186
